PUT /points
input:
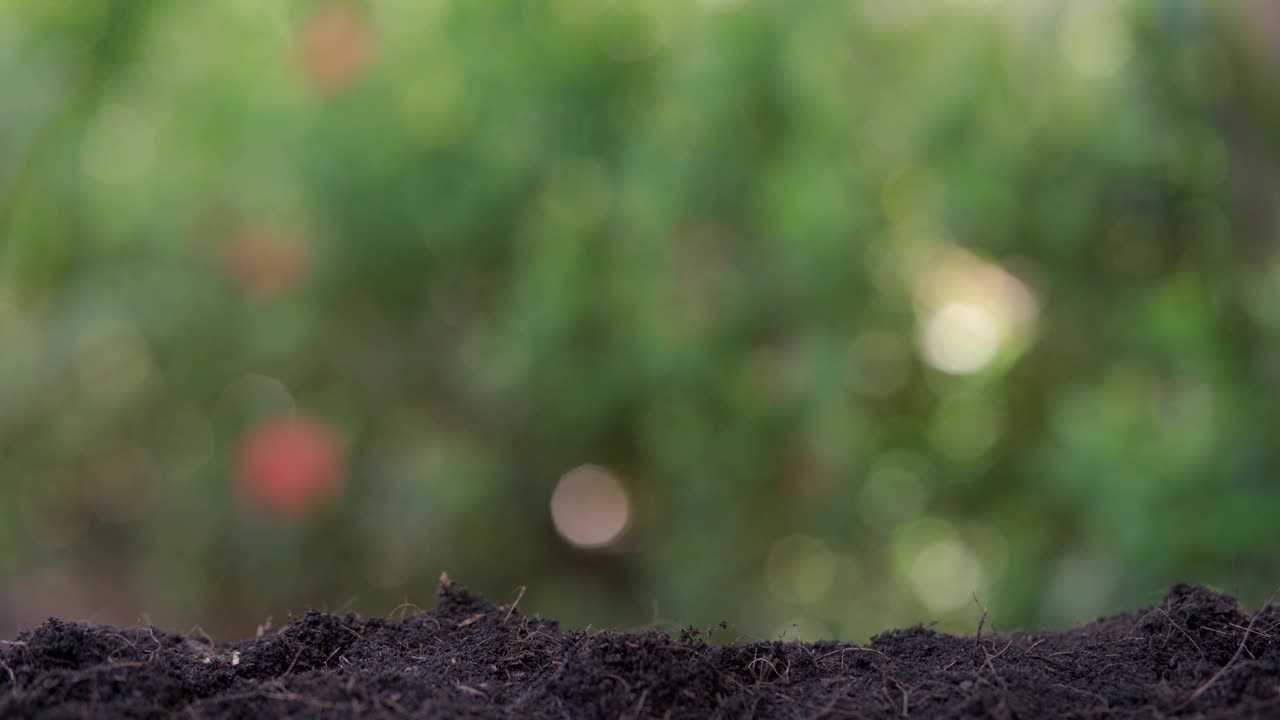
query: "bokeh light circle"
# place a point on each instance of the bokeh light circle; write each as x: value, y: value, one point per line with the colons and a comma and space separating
x: 960, y: 339
x: 590, y: 508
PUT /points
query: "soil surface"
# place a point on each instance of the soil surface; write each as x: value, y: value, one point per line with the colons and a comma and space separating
x: 1195, y: 655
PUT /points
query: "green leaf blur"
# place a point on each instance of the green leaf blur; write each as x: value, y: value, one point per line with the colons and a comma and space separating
x: 844, y: 312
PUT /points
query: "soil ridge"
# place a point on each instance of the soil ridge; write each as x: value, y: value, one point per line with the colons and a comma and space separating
x: 1194, y: 655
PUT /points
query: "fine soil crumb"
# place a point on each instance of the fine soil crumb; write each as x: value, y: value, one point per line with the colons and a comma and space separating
x: 1195, y: 655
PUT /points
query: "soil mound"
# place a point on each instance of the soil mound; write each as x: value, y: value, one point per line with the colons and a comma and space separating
x: 1195, y: 655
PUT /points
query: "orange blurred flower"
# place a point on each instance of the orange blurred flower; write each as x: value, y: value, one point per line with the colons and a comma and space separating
x: 805, y: 473
x: 289, y: 465
x: 333, y: 46
x: 264, y: 262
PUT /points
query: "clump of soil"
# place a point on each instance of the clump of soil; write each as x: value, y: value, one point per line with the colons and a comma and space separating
x: 1194, y: 655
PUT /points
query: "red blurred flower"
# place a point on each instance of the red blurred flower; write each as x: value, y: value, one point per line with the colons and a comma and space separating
x: 332, y: 46
x: 289, y: 465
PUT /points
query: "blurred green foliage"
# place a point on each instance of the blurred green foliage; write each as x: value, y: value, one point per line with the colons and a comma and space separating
x: 868, y: 306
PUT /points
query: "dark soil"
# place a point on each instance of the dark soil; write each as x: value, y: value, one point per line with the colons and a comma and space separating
x: 1196, y: 655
